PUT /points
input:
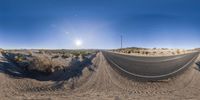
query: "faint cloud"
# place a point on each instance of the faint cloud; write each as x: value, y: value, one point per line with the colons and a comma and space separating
x: 53, y: 25
x: 67, y: 33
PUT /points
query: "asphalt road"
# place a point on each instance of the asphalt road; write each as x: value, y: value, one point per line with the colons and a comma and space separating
x: 150, y: 68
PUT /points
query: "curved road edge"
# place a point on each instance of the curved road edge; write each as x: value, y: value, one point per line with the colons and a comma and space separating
x: 134, y: 76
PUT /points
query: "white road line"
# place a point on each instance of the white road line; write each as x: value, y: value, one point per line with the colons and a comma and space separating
x: 159, y: 76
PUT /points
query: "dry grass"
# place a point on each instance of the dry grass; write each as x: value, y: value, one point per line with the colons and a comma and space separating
x: 46, y: 63
x: 151, y: 52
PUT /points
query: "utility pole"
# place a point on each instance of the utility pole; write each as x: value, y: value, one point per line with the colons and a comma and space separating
x: 121, y: 41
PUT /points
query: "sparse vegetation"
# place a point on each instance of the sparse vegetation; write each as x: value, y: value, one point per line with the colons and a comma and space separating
x: 47, y: 61
x: 64, y: 56
x: 178, y: 51
x: 1, y: 50
x: 151, y: 52
x: 55, y: 56
x: 18, y: 58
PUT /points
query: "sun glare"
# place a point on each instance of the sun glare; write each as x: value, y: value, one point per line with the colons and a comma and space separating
x: 78, y: 42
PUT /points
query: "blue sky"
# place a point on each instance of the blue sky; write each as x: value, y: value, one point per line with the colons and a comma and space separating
x: 99, y: 23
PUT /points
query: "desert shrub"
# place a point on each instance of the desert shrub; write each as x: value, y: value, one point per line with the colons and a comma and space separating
x: 30, y: 53
x: 83, y: 52
x: 2, y: 51
x: 45, y: 63
x: 40, y: 63
x: 178, y: 51
x: 76, y: 54
x: 86, y: 54
x: 137, y: 51
x: 146, y: 52
x: 55, y: 56
x: 18, y: 59
x: 64, y: 56
x: 143, y: 52
x: 40, y: 52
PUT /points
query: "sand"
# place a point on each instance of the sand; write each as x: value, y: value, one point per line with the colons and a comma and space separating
x: 101, y: 84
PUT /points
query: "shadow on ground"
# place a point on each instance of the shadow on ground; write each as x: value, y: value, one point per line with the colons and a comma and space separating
x: 198, y: 66
x: 74, y: 71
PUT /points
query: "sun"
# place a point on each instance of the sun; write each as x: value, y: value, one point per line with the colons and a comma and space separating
x: 78, y: 42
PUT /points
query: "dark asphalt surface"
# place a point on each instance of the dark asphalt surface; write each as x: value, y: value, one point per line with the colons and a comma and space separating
x: 150, y: 67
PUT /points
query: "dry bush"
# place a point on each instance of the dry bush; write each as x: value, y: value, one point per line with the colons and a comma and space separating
x: 44, y: 63
x: 55, y: 56
x: 64, y: 56
x: 15, y: 57
x: 146, y: 52
x: 143, y: 52
x: 18, y: 59
x: 1, y: 50
x: 30, y: 53
x: 178, y: 51
x: 40, y: 63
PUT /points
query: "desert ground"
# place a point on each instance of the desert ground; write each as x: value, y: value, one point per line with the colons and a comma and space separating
x: 61, y: 75
x: 152, y: 51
